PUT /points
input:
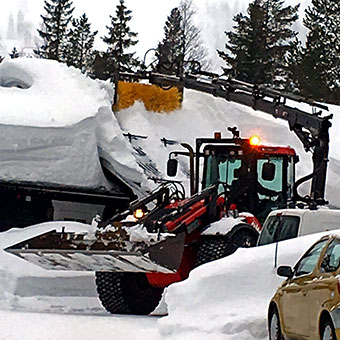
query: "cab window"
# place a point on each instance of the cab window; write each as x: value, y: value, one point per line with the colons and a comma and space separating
x: 221, y: 169
x: 331, y: 260
x: 276, y: 182
x: 307, y: 264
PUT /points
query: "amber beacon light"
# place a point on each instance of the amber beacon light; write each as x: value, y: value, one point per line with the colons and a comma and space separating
x: 138, y: 213
x: 254, y: 140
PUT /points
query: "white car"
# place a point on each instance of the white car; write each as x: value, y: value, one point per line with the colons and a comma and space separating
x: 289, y: 223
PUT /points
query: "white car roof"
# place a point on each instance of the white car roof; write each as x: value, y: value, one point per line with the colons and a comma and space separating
x: 302, y: 212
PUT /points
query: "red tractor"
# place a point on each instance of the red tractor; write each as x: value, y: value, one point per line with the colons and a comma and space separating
x: 179, y: 233
x: 159, y: 239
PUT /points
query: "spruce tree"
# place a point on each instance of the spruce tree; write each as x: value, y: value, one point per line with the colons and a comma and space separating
x: 248, y: 55
x: 294, y: 61
x: 193, y: 50
x: 15, y: 53
x: 170, y: 52
x: 119, y: 40
x: 258, y: 46
x: 320, y: 65
x: 80, y: 44
x: 55, y: 22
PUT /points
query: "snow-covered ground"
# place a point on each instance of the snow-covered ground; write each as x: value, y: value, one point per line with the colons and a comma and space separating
x: 226, y: 299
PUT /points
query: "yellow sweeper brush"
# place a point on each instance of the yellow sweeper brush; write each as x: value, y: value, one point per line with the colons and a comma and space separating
x: 154, y: 97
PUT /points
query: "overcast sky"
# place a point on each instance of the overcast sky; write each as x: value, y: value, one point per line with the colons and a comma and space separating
x: 149, y: 16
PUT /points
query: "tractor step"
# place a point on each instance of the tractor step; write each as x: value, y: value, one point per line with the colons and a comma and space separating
x: 70, y: 251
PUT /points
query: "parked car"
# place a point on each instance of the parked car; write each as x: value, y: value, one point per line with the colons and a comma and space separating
x: 285, y: 224
x: 307, y: 304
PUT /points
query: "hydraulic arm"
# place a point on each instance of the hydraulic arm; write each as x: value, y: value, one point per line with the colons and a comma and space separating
x: 311, y: 128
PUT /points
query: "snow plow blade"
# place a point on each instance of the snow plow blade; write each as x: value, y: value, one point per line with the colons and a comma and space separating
x: 69, y: 251
x: 154, y: 97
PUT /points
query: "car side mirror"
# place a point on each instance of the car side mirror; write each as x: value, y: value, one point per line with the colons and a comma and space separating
x: 268, y: 171
x: 172, y: 166
x: 285, y: 271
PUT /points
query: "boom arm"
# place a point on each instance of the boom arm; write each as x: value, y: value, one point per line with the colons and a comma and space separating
x: 311, y: 128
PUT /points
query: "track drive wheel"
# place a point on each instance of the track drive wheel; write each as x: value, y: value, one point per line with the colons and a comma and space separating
x: 127, y: 293
x: 244, y: 238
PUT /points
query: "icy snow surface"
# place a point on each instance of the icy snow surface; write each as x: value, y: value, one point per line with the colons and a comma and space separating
x: 226, y: 299
x: 223, y: 226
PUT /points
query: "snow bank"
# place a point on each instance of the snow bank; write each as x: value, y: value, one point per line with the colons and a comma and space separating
x: 201, y: 115
x: 12, y: 265
x: 21, y: 281
x: 55, y: 124
x: 56, y: 95
x: 80, y: 128
x: 228, y: 298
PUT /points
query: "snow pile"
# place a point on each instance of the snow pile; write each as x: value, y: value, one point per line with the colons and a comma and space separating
x: 16, y: 267
x: 55, y: 95
x: 27, y: 287
x: 55, y: 124
x: 139, y: 233
x: 223, y: 226
x: 201, y: 115
x: 228, y: 298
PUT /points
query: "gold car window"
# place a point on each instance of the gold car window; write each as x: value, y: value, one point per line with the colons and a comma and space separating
x: 331, y: 260
x: 308, y: 262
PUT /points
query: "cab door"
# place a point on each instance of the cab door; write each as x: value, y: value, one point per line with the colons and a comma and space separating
x: 293, y: 296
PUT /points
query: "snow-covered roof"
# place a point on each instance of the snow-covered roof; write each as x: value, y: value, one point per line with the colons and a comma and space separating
x: 55, y: 122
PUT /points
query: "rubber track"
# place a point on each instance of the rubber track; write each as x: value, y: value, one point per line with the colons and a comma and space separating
x: 109, y: 288
x: 214, y: 248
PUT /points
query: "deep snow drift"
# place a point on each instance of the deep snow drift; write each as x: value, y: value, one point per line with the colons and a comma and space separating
x: 55, y: 123
x: 229, y: 298
x: 55, y: 129
x: 202, y: 114
x: 225, y: 299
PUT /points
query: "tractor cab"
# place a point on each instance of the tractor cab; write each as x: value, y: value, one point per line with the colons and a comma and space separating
x: 255, y: 178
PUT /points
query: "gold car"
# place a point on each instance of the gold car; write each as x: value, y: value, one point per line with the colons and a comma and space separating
x: 307, y: 304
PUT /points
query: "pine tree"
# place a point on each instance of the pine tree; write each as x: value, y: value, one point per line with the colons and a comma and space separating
x: 170, y: 51
x: 55, y: 22
x: 15, y: 53
x: 320, y: 65
x: 119, y: 40
x: 248, y: 54
x: 258, y: 46
x: 294, y: 71
x: 193, y: 49
x: 80, y: 44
